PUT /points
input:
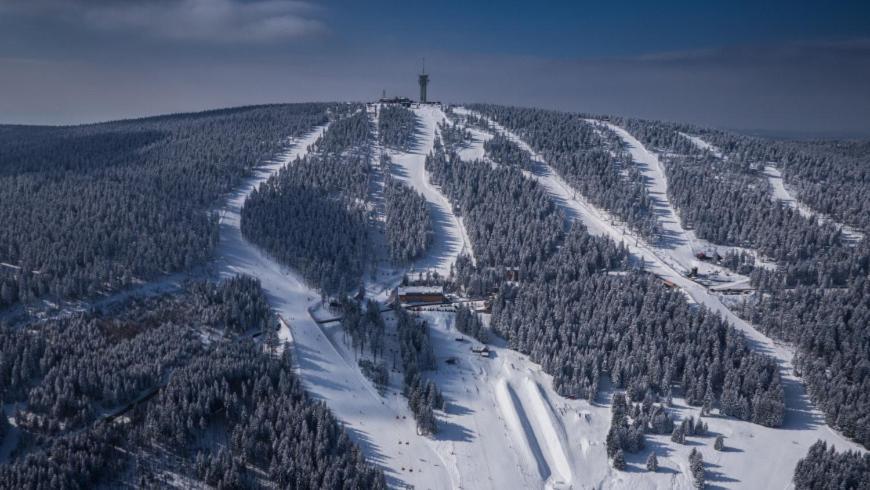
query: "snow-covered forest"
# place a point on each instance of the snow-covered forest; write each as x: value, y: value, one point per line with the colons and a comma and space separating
x: 311, y: 215
x: 567, y: 293
x: 601, y: 301
x: 94, y: 208
x: 129, y: 395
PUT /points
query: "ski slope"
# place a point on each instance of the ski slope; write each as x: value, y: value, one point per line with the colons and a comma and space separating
x: 781, y: 193
x: 676, y: 242
x: 450, y: 238
x: 703, y: 145
x: 505, y: 427
x: 474, y: 150
x: 779, y: 448
x: 376, y: 424
x: 384, y: 275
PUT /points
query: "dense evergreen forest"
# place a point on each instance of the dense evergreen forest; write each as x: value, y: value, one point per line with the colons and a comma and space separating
x: 818, y: 297
x: 77, y: 375
x: 93, y: 208
x: 311, y: 215
x: 502, y: 150
x: 825, y: 469
x: 408, y: 224
x: 829, y: 176
x: 728, y: 201
x: 179, y: 384
x: 397, y: 127
x: 578, y: 321
x: 590, y: 160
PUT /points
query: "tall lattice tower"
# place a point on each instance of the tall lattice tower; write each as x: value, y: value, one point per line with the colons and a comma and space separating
x: 423, y: 80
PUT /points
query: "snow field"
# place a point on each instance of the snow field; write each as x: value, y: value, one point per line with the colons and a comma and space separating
x: 505, y: 424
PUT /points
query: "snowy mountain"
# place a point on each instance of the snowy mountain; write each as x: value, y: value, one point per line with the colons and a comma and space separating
x: 603, y: 302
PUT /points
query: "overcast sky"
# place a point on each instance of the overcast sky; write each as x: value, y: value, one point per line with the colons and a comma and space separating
x: 787, y: 66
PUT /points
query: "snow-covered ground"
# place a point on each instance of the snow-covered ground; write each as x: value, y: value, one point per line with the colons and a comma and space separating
x: 505, y: 427
x: 375, y: 423
x: 474, y: 150
x: 782, y: 194
x: 703, y: 145
x: 450, y: 237
x: 676, y: 242
x: 780, y: 449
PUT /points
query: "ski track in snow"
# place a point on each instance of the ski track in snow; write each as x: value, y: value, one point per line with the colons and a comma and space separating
x: 780, y: 448
x: 376, y: 424
x: 779, y: 192
x: 524, y: 436
x: 703, y: 145
x: 450, y: 238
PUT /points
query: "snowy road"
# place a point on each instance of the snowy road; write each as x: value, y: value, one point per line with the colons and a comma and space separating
x: 373, y: 422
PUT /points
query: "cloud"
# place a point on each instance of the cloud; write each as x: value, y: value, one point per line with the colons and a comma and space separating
x: 205, y: 21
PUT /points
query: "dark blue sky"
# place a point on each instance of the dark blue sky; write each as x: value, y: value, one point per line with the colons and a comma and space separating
x: 568, y: 29
x: 799, y: 66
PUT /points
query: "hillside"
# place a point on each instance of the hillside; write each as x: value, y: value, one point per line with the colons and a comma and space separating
x: 619, y: 303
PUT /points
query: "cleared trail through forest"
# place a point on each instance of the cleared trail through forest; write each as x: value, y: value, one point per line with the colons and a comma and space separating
x: 675, y: 243
x: 375, y: 423
x: 779, y: 192
x: 450, y: 238
x: 803, y: 423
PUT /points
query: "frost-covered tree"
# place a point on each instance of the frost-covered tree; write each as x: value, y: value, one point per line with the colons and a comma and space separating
x: 312, y: 214
x: 652, y: 462
x: 96, y: 208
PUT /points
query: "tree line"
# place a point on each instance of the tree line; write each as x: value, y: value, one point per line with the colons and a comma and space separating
x: 232, y: 414
x: 311, y: 215
x: 95, y: 208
